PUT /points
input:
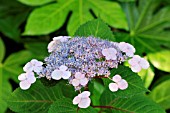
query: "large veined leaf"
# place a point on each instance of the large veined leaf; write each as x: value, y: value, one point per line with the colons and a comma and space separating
x: 134, y: 104
x: 96, y: 28
x: 161, y: 95
x: 10, y: 20
x: 10, y: 69
x: 35, y: 2
x: 148, y: 25
x: 135, y: 84
x: 39, y: 49
x: 35, y: 100
x: 160, y: 60
x: 53, y: 16
x: 65, y: 105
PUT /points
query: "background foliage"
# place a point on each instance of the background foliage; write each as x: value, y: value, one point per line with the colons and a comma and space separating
x: 27, y: 26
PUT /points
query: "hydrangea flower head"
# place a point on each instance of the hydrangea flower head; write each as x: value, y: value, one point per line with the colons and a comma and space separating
x: 82, y: 99
x: 33, y: 65
x: 137, y: 63
x: 26, y: 79
x: 79, y: 60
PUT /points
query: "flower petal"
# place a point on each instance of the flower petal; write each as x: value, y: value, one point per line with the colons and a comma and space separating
x: 85, y: 94
x: 84, y: 103
x: 30, y: 77
x: 38, y: 69
x: 144, y: 63
x: 56, y: 74
x: 79, y: 75
x: 75, y: 82
x: 51, y: 46
x: 117, y: 78
x: 22, y: 76
x: 136, y: 68
x: 84, y: 81
x: 113, y: 87
x: 105, y: 52
x: 24, y: 85
x: 28, y: 67
x: 66, y: 74
x: 122, y: 46
x: 57, y: 38
x: 76, y: 100
x: 63, y: 68
x: 122, y: 84
x: 35, y: 62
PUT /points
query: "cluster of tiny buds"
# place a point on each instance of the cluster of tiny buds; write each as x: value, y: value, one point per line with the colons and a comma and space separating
x: 81, y: 59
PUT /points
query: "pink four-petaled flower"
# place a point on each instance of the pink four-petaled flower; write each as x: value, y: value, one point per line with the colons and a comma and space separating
x: 61, y: 73
x: 79, y: 79
x: 119, y: 83
x: 33, y: 65
x: 127, y: 48
x: 137, y: 63
x: 82, y: 99
x: 26, y: 79
x: 110, y: 53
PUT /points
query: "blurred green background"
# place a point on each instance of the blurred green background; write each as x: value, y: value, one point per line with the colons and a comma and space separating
x: 27, y: 26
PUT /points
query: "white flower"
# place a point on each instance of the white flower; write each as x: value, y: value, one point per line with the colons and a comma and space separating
x: 127, y: 48
x: 82, y: 99
x: 119, y: 83
x: 137, y: 63
x: 52, y: 45
x: 110, y: 53
x: 61, y: 73
x: 26, y: 79
x: 79, y: 79
x: 33, y: 65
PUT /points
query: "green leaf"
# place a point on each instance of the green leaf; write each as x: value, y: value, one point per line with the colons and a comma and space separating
x: 96, y: 92
x: 161, y: 95
x: 13, y: 65
x: 18, y: 58
x: 96, y: 28
x: 160, y: 60
x: 10, y: 20
x: 2, y: 50
x: 10, y: 69
x: 134, y: 104
x: 41, y: 49
x: 148, y: 22
x: 65, y: 105
x: 35, y: 100
x: 147, y: 76
x: 53, y: 16
x: 35, y: 2
x: 135, y: 84
x: 5, y: 90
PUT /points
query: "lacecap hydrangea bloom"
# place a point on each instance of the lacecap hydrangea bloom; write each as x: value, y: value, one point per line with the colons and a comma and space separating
x: 79, y: 60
